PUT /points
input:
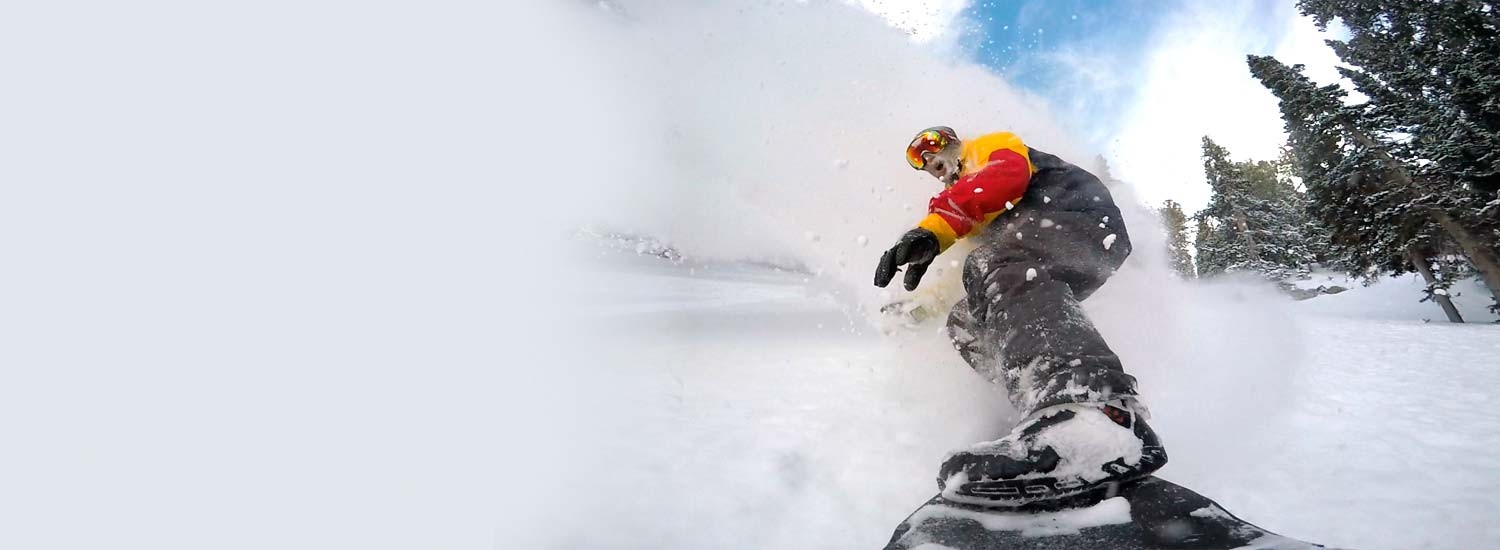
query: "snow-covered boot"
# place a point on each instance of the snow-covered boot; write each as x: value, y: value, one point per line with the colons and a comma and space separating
x: 1056, y: 454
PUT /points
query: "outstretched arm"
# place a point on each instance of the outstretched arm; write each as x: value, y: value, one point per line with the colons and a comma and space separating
x: 957, y: 212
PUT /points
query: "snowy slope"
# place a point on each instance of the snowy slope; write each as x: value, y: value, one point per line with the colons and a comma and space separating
x: 762, y: 423
x: 751, y: 412
x: 1387, y: 442
x: 1396, y: 299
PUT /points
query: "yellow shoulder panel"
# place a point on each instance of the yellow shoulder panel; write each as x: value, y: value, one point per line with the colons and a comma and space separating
x: 938, y: 226
x: 976, y: 152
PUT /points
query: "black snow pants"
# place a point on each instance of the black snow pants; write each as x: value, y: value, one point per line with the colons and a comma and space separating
x: 1020, y: 323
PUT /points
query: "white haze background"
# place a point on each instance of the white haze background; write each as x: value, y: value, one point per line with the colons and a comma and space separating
x: 279, y: 274
x: 299, y: 274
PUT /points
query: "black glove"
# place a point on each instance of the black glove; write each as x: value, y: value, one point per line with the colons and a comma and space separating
x: 917, y: 247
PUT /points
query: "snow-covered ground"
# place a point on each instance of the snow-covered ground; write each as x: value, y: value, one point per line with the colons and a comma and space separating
x: 1394, y: 299
x: 753, y: 412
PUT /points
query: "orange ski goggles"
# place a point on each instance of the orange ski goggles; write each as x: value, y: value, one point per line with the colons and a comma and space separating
x: 930, y: 140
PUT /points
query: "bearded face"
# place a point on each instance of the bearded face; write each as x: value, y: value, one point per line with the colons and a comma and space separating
x: 944, y: 164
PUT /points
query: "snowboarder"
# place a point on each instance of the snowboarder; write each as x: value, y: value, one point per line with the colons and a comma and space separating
x: 1049, y: 235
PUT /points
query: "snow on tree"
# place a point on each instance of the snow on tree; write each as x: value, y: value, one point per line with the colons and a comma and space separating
x: 1254, y: 219
x: 1174, y: 221
x: 1432, y: 73
x: 1432, y: 68
x: 1378, y: 217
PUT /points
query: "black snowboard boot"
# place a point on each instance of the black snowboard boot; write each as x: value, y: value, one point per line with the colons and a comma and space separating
x: 1057, y: 454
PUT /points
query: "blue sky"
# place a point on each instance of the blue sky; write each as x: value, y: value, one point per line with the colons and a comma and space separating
x: 1084, y: 54
x: 1140, y: 81
x: 1028, y: 42
x: 1007, y: 35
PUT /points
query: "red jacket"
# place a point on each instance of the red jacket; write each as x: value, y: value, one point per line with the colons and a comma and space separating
x: 996, y: 171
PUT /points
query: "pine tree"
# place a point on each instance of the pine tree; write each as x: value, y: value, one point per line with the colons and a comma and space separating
x: 1175, y: 223
x: 1431, y: 67
x: 1432, y: 73
x: 1228, y: 203
x: 1355, y: 187
x: 1102, y: 171
x: 1213, y: 256
x: 1254, y: 219
x: 1314, y: 237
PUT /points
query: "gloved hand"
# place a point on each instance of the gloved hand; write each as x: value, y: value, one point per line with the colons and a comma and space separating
x: 917, y: 247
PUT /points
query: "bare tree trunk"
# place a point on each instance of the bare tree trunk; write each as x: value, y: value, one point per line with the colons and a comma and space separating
x: 1478, y: 253
x: 1419, y: 261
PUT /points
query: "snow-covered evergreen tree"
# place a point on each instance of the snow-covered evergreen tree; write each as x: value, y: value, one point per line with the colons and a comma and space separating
x: 1432, y: 68
x: 1254, y: 219
x: 1432, y: 73
x: 1356, y: 187
x: 1174, y: 221
x: 1213, y: 257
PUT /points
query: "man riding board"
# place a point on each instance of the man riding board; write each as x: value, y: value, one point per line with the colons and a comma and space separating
x: 1049, y: 235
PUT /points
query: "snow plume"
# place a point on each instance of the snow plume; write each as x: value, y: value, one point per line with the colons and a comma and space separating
x: 1215, y: 360
x: 775, y: 130
x: 924, y: 20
